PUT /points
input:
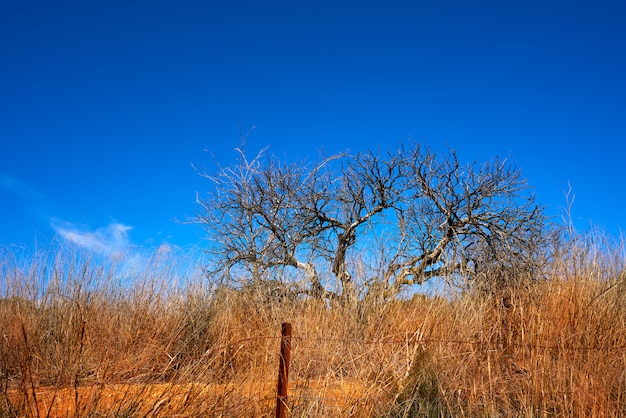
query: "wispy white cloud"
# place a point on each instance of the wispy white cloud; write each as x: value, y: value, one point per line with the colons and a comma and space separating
x: 24, y: 196
x: 111, y: 240
x: 114, y: 244
x: 17, y: 187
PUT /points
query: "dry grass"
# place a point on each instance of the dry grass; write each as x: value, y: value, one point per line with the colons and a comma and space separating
x: 76, y: 341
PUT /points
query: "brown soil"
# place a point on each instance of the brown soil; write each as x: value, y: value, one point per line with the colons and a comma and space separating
x: 170, y: 399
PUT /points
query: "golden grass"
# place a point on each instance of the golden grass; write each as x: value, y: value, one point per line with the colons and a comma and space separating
x: 76, y: 342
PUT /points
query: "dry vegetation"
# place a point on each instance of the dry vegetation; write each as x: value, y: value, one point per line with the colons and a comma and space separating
x: 79, y: 341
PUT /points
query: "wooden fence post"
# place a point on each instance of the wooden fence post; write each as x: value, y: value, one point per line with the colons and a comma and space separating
x: 283, y: 371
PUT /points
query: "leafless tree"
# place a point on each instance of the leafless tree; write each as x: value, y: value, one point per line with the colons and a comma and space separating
x: 432, y: 218
x: 474, y: 221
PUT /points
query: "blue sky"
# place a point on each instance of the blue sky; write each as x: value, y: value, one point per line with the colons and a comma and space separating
x: 105, y: 106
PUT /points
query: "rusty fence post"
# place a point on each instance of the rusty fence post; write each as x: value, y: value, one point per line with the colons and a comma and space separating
x: 283, y: 371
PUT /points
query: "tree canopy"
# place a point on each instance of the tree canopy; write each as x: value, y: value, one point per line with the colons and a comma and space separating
x: 415, y: 214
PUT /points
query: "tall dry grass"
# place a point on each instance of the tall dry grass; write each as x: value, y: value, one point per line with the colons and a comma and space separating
x: 79, y: 338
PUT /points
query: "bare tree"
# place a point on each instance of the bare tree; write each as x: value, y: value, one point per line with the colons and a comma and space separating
x: 255, y: 217
x: 473, y: 221
x: 433, y: 217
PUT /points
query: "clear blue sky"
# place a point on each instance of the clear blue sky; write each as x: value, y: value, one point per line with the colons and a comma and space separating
x: 105, y: 105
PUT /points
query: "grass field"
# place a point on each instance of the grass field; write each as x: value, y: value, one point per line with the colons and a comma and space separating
x: 77, y: 340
